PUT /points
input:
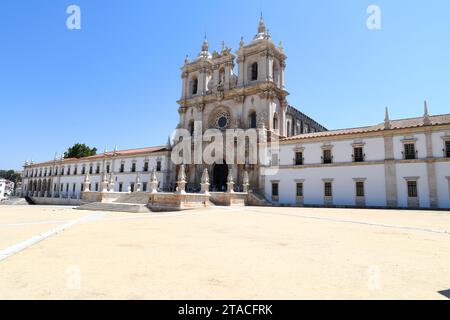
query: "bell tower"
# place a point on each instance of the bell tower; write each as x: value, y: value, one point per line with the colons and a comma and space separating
x: 261, y: 66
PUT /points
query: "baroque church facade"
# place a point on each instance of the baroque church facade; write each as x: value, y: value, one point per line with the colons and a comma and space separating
x: 396, y: 163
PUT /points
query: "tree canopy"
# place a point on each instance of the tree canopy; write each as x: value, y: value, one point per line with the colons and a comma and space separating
x: 80, y: 151
x: 10, y: 175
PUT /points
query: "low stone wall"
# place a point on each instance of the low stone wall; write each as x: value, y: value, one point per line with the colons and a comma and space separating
x: 57, y: 201
x: 229, y: 199
x: 162, y: 201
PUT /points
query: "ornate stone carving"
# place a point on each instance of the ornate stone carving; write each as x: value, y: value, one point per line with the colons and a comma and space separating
x: 245, y: 182
x: 239, y: 98
x: 230, y: 182
x: 205, y: 182
x: 153, y: 182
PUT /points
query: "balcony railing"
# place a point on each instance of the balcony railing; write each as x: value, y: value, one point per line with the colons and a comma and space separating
x: 410, y: 155
x: 327, y: 160
x: 359, y: 158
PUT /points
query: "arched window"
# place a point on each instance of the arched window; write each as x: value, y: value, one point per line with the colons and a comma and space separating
x: 221, y: 76
x: 254, y: 71
x: 191, y: 127
x: 275, y: 121
x: 194, y: 86
x: 252, y: 120
x: 288, y: 133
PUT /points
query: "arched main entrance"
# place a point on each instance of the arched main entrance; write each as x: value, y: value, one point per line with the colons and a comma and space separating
x: 220, y: 174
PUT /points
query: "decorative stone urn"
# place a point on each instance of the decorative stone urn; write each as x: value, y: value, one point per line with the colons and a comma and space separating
x: 205, y: 182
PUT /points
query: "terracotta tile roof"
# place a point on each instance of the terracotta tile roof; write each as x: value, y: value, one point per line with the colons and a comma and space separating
x: 128, y: 152
x: 395, y: 124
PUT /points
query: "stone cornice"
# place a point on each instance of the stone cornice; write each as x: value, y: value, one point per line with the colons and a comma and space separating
x: 374, y: 134
x: 268, y: 90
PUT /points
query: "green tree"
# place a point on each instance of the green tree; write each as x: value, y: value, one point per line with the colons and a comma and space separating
x: 10, y: 175
x: 80, y: 151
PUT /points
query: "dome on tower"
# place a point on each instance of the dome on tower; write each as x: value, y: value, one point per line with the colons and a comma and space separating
x: 204, y: 54
x: 262, y: 32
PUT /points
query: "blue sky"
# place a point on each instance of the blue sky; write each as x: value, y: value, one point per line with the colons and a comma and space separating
x: 116, y: 81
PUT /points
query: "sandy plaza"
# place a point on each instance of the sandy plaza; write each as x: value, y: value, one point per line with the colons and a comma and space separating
x: 225, y: 253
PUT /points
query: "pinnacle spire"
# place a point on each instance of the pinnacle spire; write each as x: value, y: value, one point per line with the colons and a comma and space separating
x: 387, y: 121
x: 261, y: 26
x: 425, y: 108
x: 426, y: 116
x: 205, y: 45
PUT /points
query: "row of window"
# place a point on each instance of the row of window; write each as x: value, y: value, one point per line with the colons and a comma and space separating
x: 96, y: 186
x: 409, y: 153
x: 327, y: 156
x: 68, y: 171
x: 328, y: 189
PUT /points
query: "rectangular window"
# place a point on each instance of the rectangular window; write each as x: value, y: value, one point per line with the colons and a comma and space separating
x: 410, y: 151
x: 96, y: 186
x: 91, y: 169
x: 83, y: 170
x: 360, y: 189
x: 107, y: 168
x: 75, y: 172
x: 74, y: 187
x: 132, y: 187
x: 300, y: 189
x: 327, y: 158
x: 97, y: 170
x: 145, y: 166
x: 275, y: 189
x: 447, y: 149
x: 120, y: 187
x: 328, y: 189
x: 358, y: 155
x: 122, y: 167
x: 68, y: 171
x: 158, y: 166
x: 133, y: 167
x: 412, y: 189
x: 144, y: 186
x: 274, y: 159
x: 67, y: 188
x: 62, y: 171
x: 299, y: 158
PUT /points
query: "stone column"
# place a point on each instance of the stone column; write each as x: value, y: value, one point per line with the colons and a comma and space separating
x: 431, y: 171
x: 390, y: 172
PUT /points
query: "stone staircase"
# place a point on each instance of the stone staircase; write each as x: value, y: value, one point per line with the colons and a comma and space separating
x: 133, y: 198
x: 258, y: 200
x: 15, y: 202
